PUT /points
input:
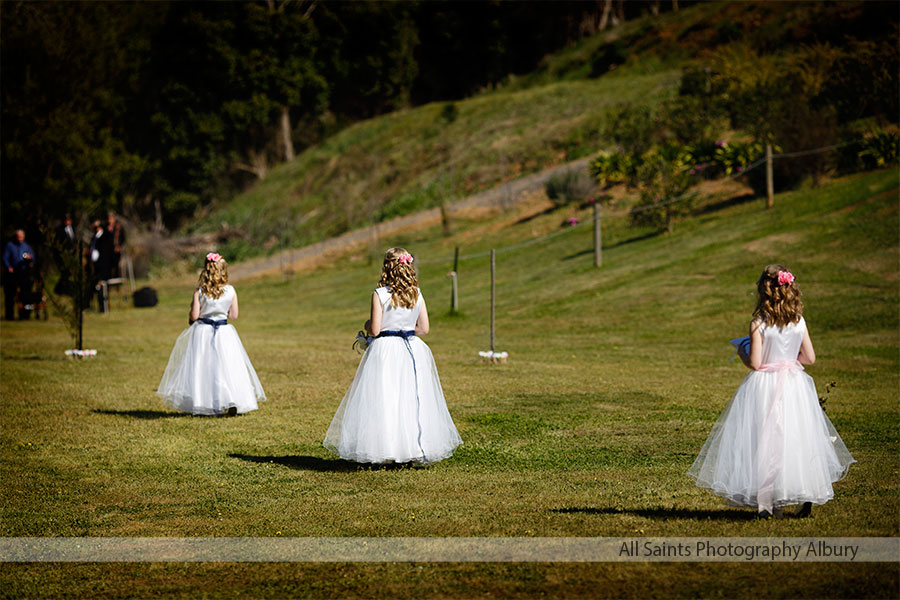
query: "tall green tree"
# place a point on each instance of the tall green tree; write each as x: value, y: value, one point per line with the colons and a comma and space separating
x: 69, y: 72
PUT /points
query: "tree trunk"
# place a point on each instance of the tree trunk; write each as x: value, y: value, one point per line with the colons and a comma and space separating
x: 604, y: 17
x: 158, y: 221
x: 259, y: 166
x: 285, y: 129
x: 654, y: 8
x: 620, y: 11
x: 674, y: 5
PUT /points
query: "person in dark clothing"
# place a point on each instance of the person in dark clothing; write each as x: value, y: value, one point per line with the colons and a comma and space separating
x: 101, y: 261
x: 65, y: 247
x: 18, y: 262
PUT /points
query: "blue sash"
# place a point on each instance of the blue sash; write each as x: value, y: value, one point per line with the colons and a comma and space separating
x: 215, y: 324
x: 405, y: 335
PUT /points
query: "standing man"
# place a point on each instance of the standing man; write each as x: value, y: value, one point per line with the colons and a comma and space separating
x: 65, y: 247
x: 101, y: 262
x: 18, y: 259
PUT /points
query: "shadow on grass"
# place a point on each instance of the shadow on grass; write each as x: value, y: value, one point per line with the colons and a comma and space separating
x: 665, y: 513
x: 314, y: 463
x: 535, y: 215
x: 726, y: 203
x: 38, y: 357
x: 141, y: 414
x: 631, y: 240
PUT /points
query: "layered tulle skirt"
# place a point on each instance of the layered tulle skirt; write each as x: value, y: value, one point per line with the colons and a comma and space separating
x: 773, y: 445
x: 209, y: 373
x: 394, y: 410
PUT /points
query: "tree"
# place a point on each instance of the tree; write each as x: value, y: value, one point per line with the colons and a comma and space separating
x: 69, y: 70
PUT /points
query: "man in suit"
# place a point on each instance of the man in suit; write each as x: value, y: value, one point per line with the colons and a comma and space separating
x: 65, y: 247
x: 101, y: 261
x: 18, y: 260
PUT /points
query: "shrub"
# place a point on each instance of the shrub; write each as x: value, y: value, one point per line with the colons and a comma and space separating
x: 607, y: 58
x: 611, y: 168
x: 879, y: 149
x: 736, y: 156
x: 568, y: 186
x: 634, y: 128
x: 665, y: 176
x: 449, y: 112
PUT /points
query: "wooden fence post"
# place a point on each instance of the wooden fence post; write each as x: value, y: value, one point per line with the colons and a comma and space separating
x: 598, y: 247
x: 770, y: 182
x: 454, y: 290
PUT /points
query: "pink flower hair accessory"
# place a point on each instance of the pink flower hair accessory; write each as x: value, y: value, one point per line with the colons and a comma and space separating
x: 213, y: 257
x: 405, y: 259
x: 785, y: 278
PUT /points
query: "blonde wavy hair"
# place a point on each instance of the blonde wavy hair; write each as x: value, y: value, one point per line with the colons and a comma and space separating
x: 400, y: 277
x: 778, y: 304
x: 214, y: 277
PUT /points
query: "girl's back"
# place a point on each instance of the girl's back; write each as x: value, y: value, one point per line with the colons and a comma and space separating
x: 216, y: 308
x: 397, y: 318
x: 782, y: 344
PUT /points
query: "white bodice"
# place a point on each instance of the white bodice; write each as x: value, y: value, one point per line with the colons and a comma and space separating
x: 217, y: 308
x: 398, y: 318
x: 781, y: 344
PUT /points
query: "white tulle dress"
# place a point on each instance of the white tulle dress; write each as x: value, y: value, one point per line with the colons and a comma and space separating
x: 773, y: 445
x: 209, y: 371
x: 394, y: 410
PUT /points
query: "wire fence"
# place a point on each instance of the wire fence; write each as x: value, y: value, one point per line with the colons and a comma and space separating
x: 626, y: 212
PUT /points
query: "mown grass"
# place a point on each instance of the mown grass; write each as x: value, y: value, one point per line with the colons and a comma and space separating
x: 614, y: 380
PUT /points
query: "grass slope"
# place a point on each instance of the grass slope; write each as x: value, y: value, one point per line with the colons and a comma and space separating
x: 415, y: 159
x: 406, y: 161
x: 615, y: 377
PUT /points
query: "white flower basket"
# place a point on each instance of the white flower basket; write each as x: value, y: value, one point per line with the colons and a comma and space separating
x: 493, y: 357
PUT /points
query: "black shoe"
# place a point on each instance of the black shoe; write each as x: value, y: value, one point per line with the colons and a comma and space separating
x: 804, y: 511
x: 231, y: 411
x: 763, y: 514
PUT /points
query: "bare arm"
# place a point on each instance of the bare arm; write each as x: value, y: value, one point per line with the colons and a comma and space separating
x: 754, y: 361
x: 195, y: 308
x: 233, y: 309
x: 375, y: 314
x: 807, y: 355
x: 422, y: 326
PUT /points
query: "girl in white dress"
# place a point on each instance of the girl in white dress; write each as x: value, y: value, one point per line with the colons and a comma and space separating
x: 773, y: 445
x: 209, y: 373
x: 394, y: 410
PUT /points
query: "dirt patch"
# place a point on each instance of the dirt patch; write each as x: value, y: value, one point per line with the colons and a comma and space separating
x: 765, y: 244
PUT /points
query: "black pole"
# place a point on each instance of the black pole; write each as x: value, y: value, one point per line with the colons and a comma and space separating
x: 79, y: 297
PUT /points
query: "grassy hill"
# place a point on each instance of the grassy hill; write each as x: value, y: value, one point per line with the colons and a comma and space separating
x: 615, y: 378
x: 402, y: 162
x: 415, y: 159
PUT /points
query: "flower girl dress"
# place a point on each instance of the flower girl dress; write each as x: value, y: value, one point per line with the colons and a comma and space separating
x: 394, y: 410
x: 209, y: 371
x: 773, y: 445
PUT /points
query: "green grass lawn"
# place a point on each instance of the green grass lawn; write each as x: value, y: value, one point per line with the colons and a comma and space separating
x: 615, y: 378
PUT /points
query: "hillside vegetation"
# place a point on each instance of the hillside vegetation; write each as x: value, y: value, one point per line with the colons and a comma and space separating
x: 425, y: 156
